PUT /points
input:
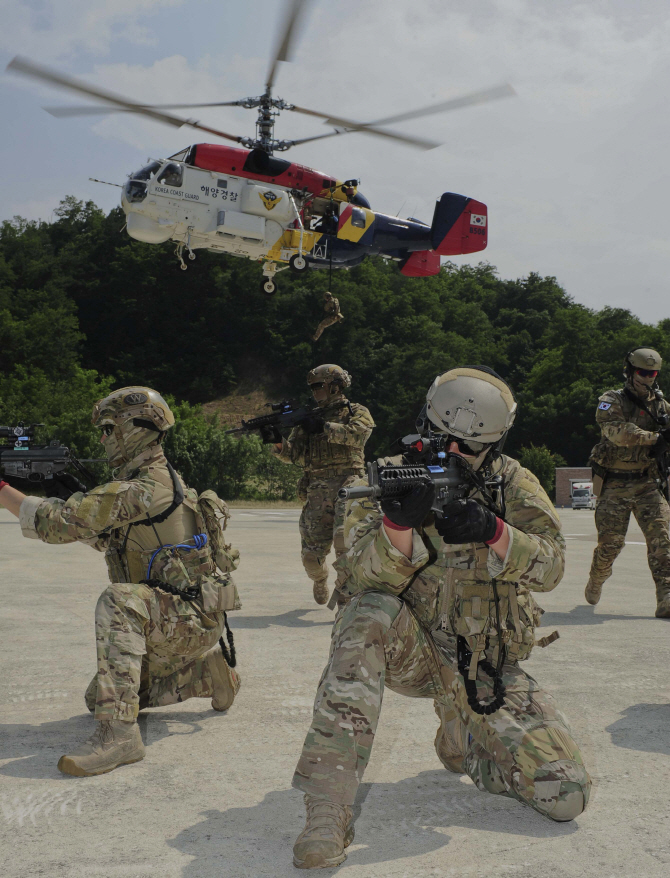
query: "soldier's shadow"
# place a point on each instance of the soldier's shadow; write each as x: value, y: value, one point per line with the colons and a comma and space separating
x: 410, y: 818
x: 643, y: 727
x: 584, y: 614
x: 292, y: 619
x: 36, y: 749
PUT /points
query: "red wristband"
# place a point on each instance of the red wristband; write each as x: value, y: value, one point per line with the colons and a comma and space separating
x: 4, y: 484
x: 500, y: 525
x: 391, y: 525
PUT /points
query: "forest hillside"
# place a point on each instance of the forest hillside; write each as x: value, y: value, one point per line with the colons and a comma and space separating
x: 83, y: 308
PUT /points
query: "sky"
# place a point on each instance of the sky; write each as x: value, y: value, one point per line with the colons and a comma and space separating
x: 573, y: 169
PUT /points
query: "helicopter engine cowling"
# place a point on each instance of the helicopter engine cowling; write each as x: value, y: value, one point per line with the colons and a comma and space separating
x: 145, y: 229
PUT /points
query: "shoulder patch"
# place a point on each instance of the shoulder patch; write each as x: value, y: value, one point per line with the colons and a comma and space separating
x: 605, y: 405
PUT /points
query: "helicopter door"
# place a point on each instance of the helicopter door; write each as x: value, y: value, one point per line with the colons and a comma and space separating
x: 355, y: 222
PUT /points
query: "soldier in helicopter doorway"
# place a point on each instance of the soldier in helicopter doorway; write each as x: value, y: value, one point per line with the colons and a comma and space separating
x: 159, y: 624
x: 630, y: 470
x: 330, y: 449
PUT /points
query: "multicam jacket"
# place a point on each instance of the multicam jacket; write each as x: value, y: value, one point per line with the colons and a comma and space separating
x: 112, y: 518
x: 628, y: 432
x: 336, y: 451
x: 449, y: 587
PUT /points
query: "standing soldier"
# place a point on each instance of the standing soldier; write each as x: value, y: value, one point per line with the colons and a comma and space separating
x: 440, y: 606
x: 158, y: 623
x: 333, y: 315
x: 634, y: 424
x: 330, y: 448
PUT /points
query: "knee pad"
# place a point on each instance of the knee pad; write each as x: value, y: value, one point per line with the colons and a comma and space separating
x: 569, y: 804
x: 315, y: 566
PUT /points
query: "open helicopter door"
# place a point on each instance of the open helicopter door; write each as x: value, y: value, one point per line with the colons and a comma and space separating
x: 460, y: 225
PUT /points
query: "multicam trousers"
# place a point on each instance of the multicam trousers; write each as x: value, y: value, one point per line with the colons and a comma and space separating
x: 322, y: 524
x: 524, y: 751
x: 615, y: 504
x: 150, y: 647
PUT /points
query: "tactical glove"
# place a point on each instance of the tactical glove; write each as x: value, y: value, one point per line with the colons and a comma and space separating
x: 63, y: 486
x: 410, y: 510
x: 659, y: 448
x: 312, y: 425
x: 466, y: 521
x: 270, y: 435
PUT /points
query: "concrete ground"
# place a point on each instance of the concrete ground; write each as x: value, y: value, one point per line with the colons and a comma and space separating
x: 213, y: 799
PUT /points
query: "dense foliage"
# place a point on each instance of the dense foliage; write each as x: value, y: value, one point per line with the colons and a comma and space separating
x: 84, y: 308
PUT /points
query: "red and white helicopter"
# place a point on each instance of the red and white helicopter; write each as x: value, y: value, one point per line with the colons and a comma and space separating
x: 246, y: 202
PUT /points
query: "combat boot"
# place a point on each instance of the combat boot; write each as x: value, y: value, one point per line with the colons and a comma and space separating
x: 451, y: 741
x: 328, y: 831
x: 226, y: 681
x: 592, y: 592
x: 663, y: 608
x: 113, y: 743
x: 321, y: 591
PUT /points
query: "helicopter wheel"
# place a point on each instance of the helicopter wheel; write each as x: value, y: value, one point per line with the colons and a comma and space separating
x: 183, y: 266
x: 268, y: 286
x: 298, y: 263
x: 191, y: 256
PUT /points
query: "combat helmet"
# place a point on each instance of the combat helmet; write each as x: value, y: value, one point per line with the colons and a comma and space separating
x: 470, y: 403
x: 135, y: 415
x: 330, y: 374
x: 641, y: 358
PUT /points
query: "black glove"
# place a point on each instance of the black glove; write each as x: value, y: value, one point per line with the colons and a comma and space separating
x: 466, y: 521
x: 659, y: 448
x: 63, y: 485
x: 410, y: 510
x: 270, y: 435
x: 313, y: 424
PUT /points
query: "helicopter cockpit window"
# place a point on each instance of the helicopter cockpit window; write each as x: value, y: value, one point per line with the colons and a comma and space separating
x: 147, y: 172
x: 172, y: 174
x: 358, y: 218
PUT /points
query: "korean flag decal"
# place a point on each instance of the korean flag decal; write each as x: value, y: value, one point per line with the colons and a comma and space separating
x: 604, y: 406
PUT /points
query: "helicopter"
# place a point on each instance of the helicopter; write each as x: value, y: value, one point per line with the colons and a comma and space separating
x: 246, y: 202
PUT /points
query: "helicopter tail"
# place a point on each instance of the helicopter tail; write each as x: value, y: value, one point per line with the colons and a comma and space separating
x: 421, y: 263
x: 460, y: 225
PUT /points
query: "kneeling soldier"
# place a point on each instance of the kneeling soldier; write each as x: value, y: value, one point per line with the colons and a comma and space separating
x: 158, y: 625
x: 438, y: 605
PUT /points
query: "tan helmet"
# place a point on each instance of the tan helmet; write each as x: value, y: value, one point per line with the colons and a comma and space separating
x: 133, y: 402
x: 471, y: 402
x: 643, y: 358
x: 329, y: 373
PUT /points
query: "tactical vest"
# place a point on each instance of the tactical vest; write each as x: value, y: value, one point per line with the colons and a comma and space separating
x: 631, y: 458
x: 174, y: 552
x: 323, y: 455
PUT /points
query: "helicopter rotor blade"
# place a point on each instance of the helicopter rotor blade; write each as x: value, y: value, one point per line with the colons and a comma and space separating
x: 65, y: 112
x: 480, y: 97
x: 287, y: 32
x: 44, y: 74
x: 418, y: 142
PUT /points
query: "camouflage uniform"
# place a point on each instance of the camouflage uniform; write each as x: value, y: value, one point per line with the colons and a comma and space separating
x: 628, y: 435
x: 525, y: 750
x: 331, y: 460
x: 150, y: 643
x: 333, y: 315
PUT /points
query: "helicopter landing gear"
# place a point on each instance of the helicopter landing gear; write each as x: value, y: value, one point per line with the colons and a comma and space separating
x: 268, y: 286
x: 191, y: 255
x: 298, y: 263
x: 178, y: 252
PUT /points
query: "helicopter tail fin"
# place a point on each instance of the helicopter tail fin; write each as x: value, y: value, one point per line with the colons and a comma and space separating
x: 421, y: 263
x: 460, y: 225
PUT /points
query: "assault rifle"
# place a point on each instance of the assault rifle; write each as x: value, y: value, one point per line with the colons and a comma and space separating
x: 428, y: 461
x: 286, y: 415
x: 43, y: 465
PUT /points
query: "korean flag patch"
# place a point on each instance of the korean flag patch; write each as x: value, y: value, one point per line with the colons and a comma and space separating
x: 604, y: 406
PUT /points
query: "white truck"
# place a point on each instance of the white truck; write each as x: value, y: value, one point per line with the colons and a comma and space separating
x: 582, y: 495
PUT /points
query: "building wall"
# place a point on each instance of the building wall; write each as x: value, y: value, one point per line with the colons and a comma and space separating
x: 565, y: 475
